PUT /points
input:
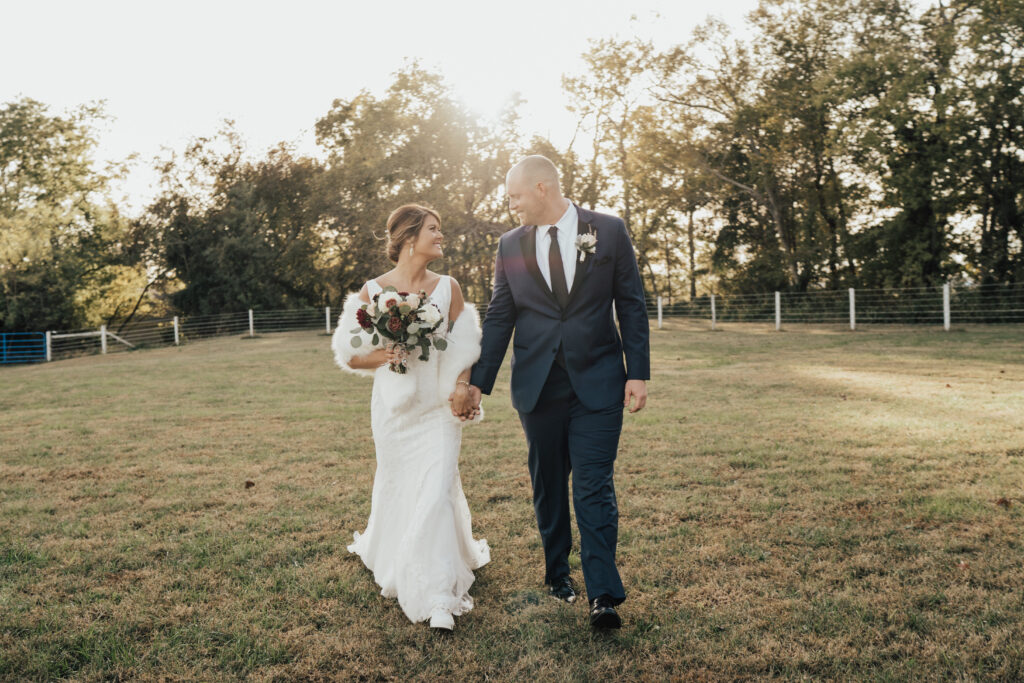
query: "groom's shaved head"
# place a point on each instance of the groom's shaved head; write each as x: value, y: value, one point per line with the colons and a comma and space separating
x: 534, y: 193
x: 536, y: 169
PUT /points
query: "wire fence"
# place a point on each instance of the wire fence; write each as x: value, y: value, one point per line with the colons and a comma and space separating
x: 177, y: 331
x: 923, y: 306
x: 982, y: 304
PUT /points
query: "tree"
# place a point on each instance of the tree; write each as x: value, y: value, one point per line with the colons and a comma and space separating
x: 759, y: 119
x: 611, y: 100
x: 236, y: 234
x: 897, y: 81
x: 414, y: 144
x: 63, y: 242
x: 987, y: 136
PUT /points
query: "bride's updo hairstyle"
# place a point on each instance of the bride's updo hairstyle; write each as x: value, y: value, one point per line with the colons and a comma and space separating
x: 404, y: 224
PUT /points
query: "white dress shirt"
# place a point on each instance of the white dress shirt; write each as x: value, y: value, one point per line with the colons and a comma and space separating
x: 567, y: 231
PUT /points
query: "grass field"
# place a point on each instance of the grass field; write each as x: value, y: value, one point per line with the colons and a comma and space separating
x: 805, y: 504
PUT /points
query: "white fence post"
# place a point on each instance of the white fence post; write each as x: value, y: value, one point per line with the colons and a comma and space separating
x: 853, y: 310
x: 713, y: 317
x: 103, y: 338
x: 49, y: 354
x: 252, y: 332
x: 176, y: 337
x: 659, y: 312
x: 778, y: 311
x: 327, y: 315
x: 945, y: 306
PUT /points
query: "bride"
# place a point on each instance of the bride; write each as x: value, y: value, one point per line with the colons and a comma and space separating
x: 418, y: 540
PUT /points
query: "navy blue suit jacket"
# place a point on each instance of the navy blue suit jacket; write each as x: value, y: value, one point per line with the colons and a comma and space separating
x: 524, y: 304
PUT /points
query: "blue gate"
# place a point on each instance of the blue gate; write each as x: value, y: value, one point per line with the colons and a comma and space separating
x: 22, y: 347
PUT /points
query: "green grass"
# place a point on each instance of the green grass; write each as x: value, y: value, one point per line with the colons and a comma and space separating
x: 806, y: 504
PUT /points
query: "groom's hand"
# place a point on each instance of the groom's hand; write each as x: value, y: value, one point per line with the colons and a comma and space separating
x: 474, y: 398
x: 459, y: 400
x: 635, y: 388
x: 465, y: 402
x: 470, y: 404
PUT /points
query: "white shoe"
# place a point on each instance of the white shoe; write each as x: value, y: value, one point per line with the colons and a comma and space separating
x: 442, y: 619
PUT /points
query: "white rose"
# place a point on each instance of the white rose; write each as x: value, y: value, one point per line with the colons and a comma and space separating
x: 371, y: 309
x: 413, y: 300
x: 430, y: 314
x: 391, y: 300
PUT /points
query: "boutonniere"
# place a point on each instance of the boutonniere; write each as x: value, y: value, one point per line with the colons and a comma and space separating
x: 586, y: 244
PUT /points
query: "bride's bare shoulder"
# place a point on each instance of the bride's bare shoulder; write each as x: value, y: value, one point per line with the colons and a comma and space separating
x: 435, y: 279
x: 364, y: 293
x: 456, y: 289
x: 383, y: 280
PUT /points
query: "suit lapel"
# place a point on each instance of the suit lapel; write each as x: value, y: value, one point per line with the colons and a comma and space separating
x: 582, y: 267
x: 528, y: 242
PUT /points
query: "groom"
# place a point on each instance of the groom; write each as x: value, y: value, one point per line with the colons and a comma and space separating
x: 555, y: 280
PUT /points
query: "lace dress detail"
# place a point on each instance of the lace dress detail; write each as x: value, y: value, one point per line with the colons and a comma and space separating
x: 418, y: 540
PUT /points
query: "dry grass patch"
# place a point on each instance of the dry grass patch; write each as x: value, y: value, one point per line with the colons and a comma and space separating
x: 811, y: 503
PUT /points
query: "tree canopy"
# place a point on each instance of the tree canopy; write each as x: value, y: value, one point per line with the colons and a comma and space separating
x: 839, y: 144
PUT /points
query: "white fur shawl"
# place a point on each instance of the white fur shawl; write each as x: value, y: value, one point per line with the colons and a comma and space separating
x: 462, y: 352
x: 341, y: 341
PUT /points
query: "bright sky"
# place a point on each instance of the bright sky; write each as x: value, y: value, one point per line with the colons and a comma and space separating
x: 171, y: 71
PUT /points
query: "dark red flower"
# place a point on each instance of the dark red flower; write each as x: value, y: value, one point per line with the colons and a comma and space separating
x: 394, y: 324
x: 363, y: 318
x: 403, y: 294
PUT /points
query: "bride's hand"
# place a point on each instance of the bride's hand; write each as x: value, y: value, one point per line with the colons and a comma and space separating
x: 374, y: 359
x: 384, y: 356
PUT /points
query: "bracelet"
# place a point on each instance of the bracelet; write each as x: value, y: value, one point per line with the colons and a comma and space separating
x: 462, y: 381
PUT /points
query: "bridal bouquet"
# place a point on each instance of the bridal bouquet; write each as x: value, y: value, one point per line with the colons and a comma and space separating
x: 406, y: 320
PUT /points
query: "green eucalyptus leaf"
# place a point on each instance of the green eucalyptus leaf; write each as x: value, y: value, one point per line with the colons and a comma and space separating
x: 356, y: 342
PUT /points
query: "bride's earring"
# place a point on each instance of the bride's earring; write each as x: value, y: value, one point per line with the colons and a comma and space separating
x: 412, y: 250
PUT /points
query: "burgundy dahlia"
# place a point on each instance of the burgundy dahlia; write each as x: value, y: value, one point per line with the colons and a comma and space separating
x: 394, y: 324
x: 363, y: 318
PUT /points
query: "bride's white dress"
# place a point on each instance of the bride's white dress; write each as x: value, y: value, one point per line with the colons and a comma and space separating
x: 418, y: 540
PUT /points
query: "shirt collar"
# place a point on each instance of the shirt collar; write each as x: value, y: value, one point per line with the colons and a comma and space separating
x: 566, y: 224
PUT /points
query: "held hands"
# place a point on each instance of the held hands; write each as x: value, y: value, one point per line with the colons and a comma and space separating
x: 635, y: 388
x: 465, y: 401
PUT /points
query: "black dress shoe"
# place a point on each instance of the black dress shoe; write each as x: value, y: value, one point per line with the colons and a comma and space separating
x: 603, y: 614
x: 563, y: 589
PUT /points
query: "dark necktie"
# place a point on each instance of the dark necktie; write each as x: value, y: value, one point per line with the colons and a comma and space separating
x: 558, y: 286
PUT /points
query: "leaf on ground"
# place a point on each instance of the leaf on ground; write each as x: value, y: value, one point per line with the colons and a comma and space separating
x: 249, y: 484
x: 1004, y: 503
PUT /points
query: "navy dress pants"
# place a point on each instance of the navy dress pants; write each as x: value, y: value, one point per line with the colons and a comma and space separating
x: 565, y: 437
